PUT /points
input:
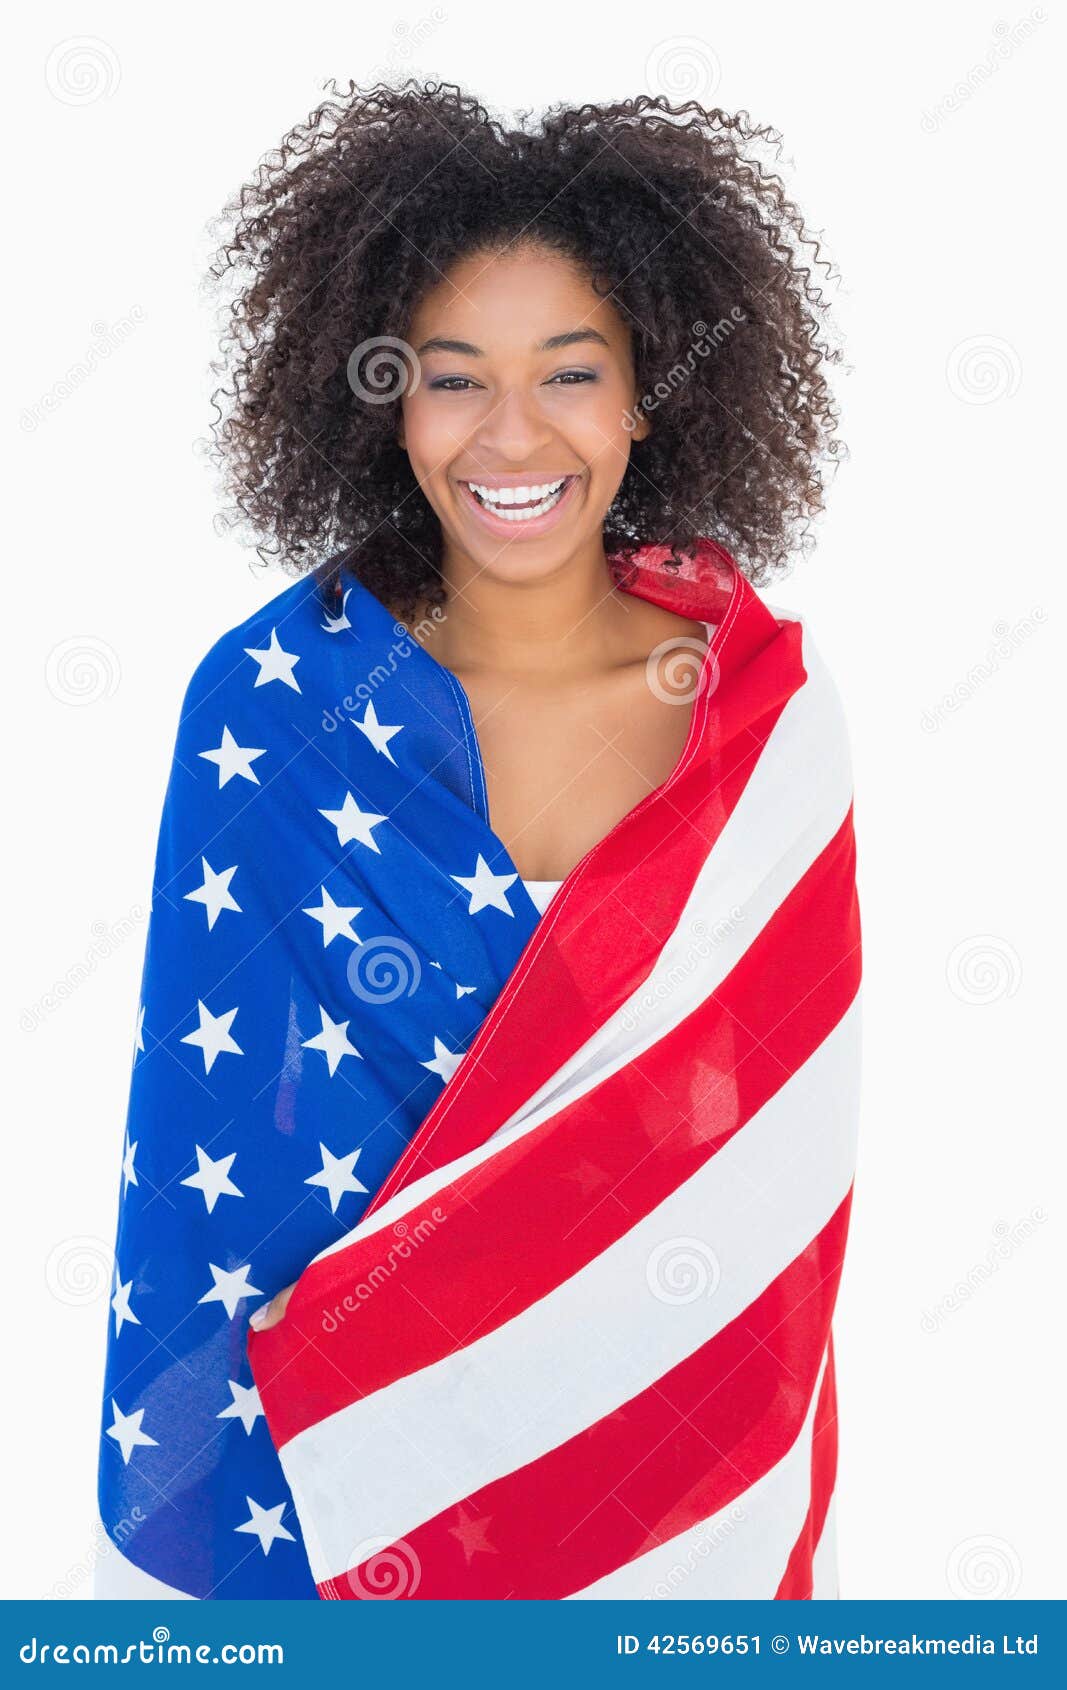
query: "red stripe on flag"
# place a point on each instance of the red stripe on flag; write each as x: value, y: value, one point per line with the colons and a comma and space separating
x: 668, y: 1459
x: 797, y: 1581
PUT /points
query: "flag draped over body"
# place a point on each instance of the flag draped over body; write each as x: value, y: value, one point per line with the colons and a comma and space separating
x: 565, y: 1197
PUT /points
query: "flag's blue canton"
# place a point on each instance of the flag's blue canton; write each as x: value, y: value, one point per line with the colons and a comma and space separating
x: 332, y: 918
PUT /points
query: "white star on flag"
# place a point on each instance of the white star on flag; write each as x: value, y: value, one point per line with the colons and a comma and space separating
x: 213, y: 1035
x: 378, y: 734
x: 127, y: 1432
x: 233, y: 759
x: 214, y: 894
x: 274, y: 663
x: 333, y: 1040
x: 336, y: 919
x: 266, y: 1524
x: 245, y: 1407
x: 213, y: 1178
x: 353, y: 823
x: 336, y: 1175
x: 445, y: 1061
x: 230, y: 1287
x: 120, y: 1302
x: 129, y: 1172
x: 487, y: 890
x: 336, y: 624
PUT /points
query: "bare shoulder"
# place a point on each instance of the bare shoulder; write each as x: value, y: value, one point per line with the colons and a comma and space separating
x: 652, y: 627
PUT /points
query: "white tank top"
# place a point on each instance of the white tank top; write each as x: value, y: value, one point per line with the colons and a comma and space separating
x: 542, y: 892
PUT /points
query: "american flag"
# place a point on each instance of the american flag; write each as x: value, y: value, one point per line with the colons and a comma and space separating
x: 332, y: 918
x: 579, y: 1344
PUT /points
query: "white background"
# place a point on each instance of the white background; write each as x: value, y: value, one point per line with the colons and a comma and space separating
x: 918, y: 141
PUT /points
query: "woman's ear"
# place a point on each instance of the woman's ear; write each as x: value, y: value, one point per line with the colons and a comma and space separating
x: 642, y: 428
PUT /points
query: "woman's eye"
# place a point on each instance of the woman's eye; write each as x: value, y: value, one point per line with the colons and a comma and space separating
x: 464, y: 384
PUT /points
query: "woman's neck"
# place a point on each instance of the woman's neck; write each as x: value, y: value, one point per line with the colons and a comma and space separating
x: 572, y: 620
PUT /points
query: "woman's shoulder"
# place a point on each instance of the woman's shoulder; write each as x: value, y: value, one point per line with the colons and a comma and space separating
x: 291, y: 629
x: 273, y: 666
x: 653, y: 627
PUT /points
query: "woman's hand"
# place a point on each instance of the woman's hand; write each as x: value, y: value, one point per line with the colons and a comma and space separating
x: 270, y: 1313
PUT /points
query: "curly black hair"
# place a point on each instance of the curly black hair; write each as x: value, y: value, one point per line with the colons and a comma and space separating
x: 666, y: 208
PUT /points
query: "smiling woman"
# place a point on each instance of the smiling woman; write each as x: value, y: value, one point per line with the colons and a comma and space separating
x: 552, y: 403
x: 699, y: 276
x: 533, y: 631
x: 548, y: 930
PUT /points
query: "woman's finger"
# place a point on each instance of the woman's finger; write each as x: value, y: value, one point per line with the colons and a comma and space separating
x: 270, y: 1313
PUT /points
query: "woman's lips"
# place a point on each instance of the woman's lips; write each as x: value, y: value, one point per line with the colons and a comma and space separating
x: 519, y: 527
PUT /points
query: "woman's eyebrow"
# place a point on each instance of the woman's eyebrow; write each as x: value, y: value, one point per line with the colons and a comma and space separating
x: 573, y: 337
x: 464, y: 348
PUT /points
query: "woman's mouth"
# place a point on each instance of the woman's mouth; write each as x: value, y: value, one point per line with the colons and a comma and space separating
x: 526, y: 508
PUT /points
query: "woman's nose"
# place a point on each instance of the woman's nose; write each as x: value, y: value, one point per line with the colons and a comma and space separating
x: 514, y: 428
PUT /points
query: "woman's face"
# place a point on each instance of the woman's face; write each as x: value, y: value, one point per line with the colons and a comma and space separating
x: 517, y: 431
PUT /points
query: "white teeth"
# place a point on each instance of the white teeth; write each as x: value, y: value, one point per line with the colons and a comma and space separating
x: 535, y: 501
x: 496, y: 496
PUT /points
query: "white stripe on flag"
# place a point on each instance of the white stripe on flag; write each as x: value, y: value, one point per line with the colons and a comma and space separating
x: 825, y: 1585
x: 118, y: 1579
x: 739, y: 1552
x: 398, y: 1457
